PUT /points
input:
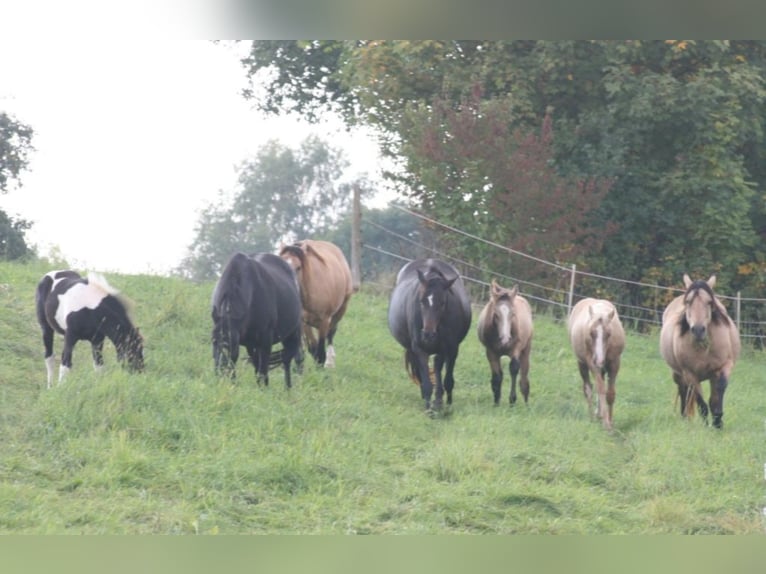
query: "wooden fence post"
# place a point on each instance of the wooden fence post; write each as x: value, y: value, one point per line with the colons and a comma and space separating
x: 356, y: 241
x: 571, y: 289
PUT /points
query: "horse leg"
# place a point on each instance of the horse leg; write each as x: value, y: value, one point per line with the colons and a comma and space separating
x: 438, y: 366
x: 449, y: 379
x: 420, y: 366
x: 601, y: 397
x: 514, y: 370
x: 497, y: 375
x: 524, y: 382
x: 683, y: 393
x: 611, y: 391
x: 66, y: 355
x: 587, y: 388
x: 330, y: 361
x: 50, y: 361
x: 97, y: 350
x: 260, y: 358
x: 717, y: 389
x: 320, y: 352
x: 291, y: 347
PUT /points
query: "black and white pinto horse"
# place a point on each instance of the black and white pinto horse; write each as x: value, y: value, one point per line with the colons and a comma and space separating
x: 85, y: 308
x: 256, y: 304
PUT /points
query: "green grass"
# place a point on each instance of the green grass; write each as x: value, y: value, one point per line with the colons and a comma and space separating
x: 176, y: 450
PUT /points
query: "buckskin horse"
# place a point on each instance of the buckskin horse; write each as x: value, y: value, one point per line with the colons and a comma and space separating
x: 598, y: 340
x: 256, y: 304
x: 699, y: 342
x: 85, y: 308
x: 325, y: 289
x: 505, y: 329
x: 429, y: 313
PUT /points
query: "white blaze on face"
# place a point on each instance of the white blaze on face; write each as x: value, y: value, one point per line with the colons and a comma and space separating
x: 79, y: 296
x: 598, y: 347
x: 504, y: 329
x: 430, y: 300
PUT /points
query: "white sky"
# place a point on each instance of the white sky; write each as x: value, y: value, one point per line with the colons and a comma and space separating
x: 133, y: 138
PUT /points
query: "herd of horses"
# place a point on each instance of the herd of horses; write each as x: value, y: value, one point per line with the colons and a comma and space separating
x: 302, y: 293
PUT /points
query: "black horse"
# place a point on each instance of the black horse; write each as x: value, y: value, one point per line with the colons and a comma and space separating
x: 256, y: 304
x: 429, y: 314
x: 87, y: 309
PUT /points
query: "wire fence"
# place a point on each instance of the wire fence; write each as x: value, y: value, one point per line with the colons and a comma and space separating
x: 640, y: 305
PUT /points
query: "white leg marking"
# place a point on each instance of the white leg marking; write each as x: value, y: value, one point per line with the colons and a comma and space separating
x: 330, y: 359
x: 63, y: 373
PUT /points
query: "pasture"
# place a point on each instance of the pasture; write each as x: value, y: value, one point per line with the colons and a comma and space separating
x: 176, y: 450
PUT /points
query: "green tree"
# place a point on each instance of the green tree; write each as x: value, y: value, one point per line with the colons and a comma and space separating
x: 15, y: 146
x: 677, y: 127
x: 283, y: 195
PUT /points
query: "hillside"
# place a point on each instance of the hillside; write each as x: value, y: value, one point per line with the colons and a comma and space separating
x: 175, y: 450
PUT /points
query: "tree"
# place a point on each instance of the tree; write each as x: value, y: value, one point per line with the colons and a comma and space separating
x: 15, y: 146
x: 284, y: 195
x: 676, y: 126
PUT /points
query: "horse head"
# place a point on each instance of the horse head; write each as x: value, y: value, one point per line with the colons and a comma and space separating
x: 502, y: 310
x: 432, y: 295
x: 131, y: 351
x: 600, y: 330
x: 700, y: 306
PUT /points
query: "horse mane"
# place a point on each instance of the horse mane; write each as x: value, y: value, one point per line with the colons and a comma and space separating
x: 99, y: 282
x: 296, y: 250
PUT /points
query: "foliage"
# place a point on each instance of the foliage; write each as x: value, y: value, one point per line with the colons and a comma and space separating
x: 15, y: 145
x: 284, y: 194
x: 676, y: 127
x: 175, y: 450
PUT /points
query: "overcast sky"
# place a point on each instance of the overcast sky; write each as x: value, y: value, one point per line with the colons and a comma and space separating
x: 132, y: 139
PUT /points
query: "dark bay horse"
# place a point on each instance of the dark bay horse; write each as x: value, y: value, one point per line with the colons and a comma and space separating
x: 505, y: 329
x: 429, y: 313
x: 699, y: 342
x: 256, y: 305
x: 85, y: 308
x: 598, y: 340
x: 325, y: 287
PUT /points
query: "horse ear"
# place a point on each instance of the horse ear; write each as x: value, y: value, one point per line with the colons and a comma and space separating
x: 495, y: 289
x: 687, y: 280
x: 450, y: 282
x: 514, y: 291
x: 610, y: 316
x: 711, y: 281
x: 421, y: 276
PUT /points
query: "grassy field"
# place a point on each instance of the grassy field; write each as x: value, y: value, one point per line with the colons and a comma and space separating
x: 177, y: 451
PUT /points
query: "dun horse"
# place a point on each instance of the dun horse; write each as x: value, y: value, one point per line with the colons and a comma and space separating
x: 699, y: 342
x: 87, y: 309
x: 325, y: 288
x: 429, y: 313
x: 598, y: 340
x: 256, y: 305
x: 505, y: 329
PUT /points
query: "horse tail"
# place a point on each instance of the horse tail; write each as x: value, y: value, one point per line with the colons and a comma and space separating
x: 409, y: 365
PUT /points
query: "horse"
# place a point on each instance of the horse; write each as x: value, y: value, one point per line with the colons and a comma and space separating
x: 699, y: 342
x: 325, y: 289
x: 429, y: 313
x: 598, y: 340
x: 505, y: 329
x: 85, y: 308
x: 256, y: 304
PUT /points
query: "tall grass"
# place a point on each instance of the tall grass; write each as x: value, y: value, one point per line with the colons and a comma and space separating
x: 350, y: 450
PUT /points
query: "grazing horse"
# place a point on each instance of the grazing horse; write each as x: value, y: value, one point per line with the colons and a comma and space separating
x: 87, y: 309
x: 598, y: 340
x: 699, y: 342
x: 429, y: 313
x: 505, y: 329
x: 325, y: 287
x: 256, y: 304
